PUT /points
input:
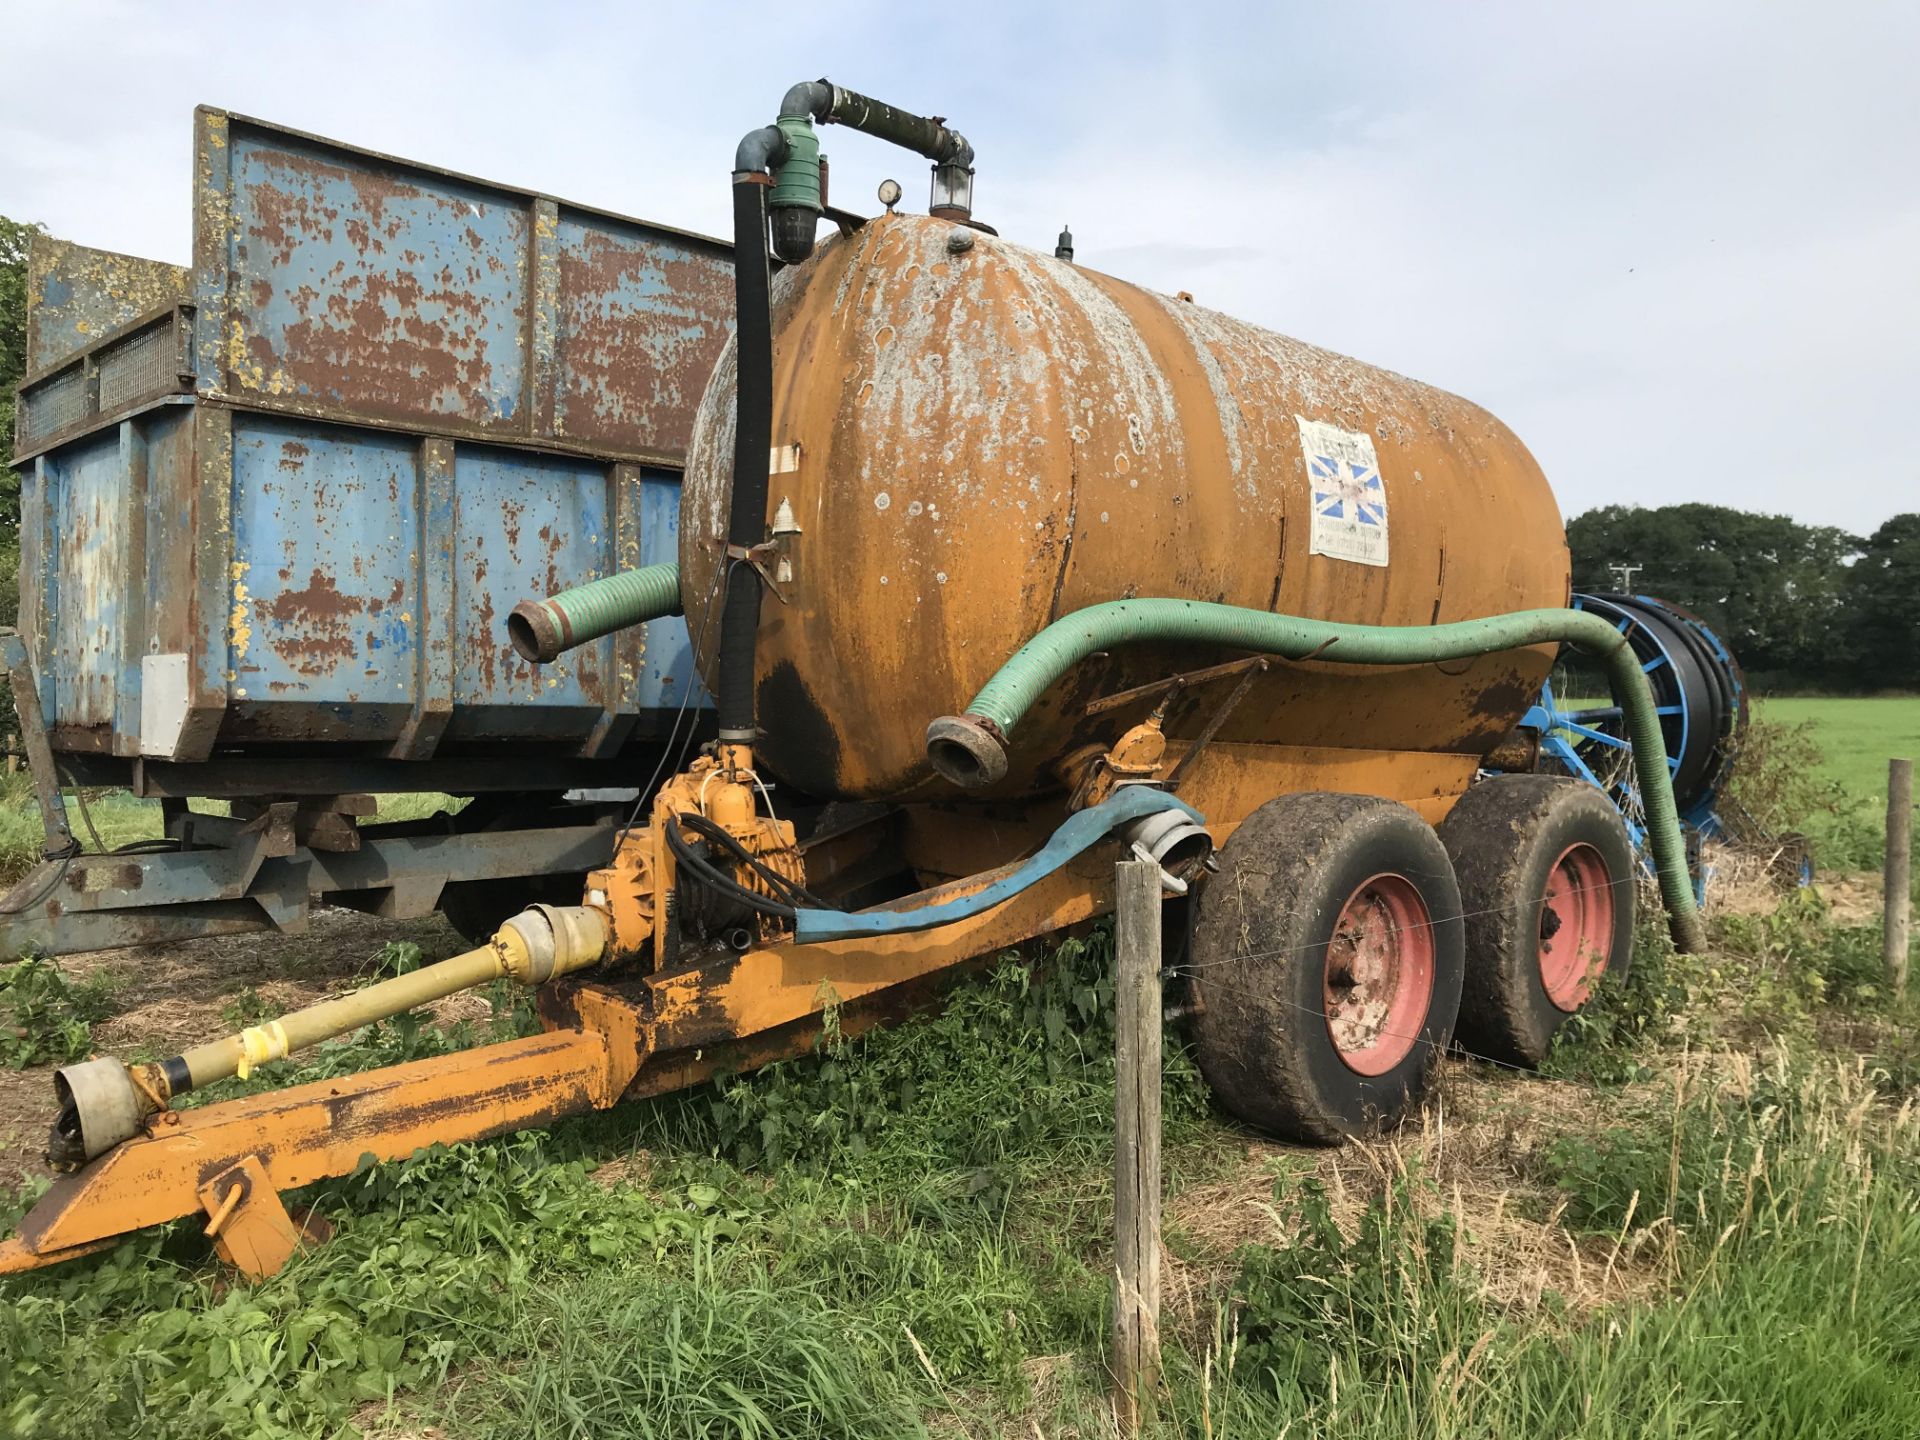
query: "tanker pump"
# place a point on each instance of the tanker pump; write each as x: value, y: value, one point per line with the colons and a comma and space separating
x: 1058, y: 570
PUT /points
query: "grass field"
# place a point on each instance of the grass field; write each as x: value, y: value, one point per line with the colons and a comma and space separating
x: 1856, y: 737
x: 1840, y: 801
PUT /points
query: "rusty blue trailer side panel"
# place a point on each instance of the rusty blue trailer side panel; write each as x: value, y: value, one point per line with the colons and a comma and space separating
x: 293, y: 505
x: 325, y: 544
x: 520, y: 522
x: 371, y: 295
x: 79, y: 296
x: 89, y: 524
x: 341, y: 283
x: 358, y: 593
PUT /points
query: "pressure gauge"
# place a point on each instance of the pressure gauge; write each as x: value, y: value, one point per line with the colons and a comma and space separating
x: 889, y: 194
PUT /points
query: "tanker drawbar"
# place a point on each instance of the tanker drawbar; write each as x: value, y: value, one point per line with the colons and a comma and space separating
x: 999, y: 570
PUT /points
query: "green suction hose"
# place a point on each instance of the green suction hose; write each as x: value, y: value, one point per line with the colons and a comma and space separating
x: 542, y: 629
x: 971, y: 749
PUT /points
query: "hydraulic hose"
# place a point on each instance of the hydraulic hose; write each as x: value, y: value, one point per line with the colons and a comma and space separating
x: 542, y: 630
x: 1081, y: 831
x: 752, y: 438
x: 971, y: 749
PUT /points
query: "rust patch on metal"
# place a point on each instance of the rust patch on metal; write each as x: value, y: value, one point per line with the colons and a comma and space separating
x: 316, y: 627
x: 631, y: 372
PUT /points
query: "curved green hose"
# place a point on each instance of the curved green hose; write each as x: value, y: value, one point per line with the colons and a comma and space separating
x: 542, y: 629
x: 971, y: 749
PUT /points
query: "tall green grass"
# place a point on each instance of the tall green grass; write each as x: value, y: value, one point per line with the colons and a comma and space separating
x: 910, y: 1233
x: 1780, y: 1217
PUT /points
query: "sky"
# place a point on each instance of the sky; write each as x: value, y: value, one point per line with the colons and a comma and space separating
x: 1675, y: 246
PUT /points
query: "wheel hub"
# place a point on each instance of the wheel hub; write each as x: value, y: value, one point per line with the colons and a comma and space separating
x: 1576, y: 926
x: 1379, y: 974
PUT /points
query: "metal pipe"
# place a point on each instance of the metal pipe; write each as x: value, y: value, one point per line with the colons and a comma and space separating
x: 971, y: 749
x: 531, y: 948
x: 790, y: 150
x: 923, y: 135
x: 541, y: 630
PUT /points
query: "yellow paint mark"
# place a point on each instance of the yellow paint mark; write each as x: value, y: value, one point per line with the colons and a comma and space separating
x: 245, y: 371
x: 239, y: 629
x: 545, y: 225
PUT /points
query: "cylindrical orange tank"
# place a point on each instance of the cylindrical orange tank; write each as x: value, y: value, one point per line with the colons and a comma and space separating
x: 975, y: 439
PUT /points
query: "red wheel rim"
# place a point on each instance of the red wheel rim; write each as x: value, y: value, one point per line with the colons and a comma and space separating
x: 1576, y: 926
x: 1379, y: 974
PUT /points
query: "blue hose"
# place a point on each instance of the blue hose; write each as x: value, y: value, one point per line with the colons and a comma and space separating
x: 1081, y: 832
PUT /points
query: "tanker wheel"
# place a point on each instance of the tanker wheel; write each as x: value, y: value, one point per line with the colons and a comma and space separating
x: 1546, y: 879
x: 1326, y: 962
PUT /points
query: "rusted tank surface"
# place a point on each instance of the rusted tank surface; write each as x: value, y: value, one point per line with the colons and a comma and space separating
x: 976, y: 439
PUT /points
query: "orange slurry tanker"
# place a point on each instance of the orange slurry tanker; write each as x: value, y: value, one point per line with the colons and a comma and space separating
x: 1000, y: 569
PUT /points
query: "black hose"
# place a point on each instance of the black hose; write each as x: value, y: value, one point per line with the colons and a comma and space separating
x: 753, y: 438
x: 784, y: 888
x: 698, y: 867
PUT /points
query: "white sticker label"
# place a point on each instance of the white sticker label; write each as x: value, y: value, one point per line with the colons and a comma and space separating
x: 1349, y: 497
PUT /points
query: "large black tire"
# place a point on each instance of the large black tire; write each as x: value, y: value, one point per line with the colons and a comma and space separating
x: 1270, y: 983
x: 1532, y: 959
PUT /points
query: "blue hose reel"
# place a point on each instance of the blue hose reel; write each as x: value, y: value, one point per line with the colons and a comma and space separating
x: 1700, y: 695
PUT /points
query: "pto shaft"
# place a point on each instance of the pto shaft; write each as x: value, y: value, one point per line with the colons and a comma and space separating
x: 103, y: 1102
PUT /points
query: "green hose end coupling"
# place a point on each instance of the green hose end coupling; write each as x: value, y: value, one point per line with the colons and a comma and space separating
x: 543, y: 630
x: 796, y: 202
x: 969, y: 750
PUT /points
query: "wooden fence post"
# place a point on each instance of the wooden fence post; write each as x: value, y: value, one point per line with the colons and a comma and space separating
x: 1136, y: 1142
x: 1898, y: 889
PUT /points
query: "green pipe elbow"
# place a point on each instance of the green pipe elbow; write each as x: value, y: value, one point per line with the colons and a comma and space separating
x: 542, y: 630
x: 971, y: 749
x: 796, y: 182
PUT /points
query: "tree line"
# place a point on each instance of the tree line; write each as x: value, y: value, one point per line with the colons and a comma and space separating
x: 1801, y: 606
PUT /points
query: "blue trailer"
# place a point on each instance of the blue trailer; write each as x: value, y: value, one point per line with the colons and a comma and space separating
x: 277, y: 506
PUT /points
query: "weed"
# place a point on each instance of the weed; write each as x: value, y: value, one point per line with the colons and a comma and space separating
x: 246, y: 1008
x: 45, y: 1018
x: 1394, y: 1296
x: 1607, y: 1040
x: 879, y: 1239
x: 396, y: 957
x: 776, y: 1301
x: 1795, y: 959
x: 901, y: 1102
